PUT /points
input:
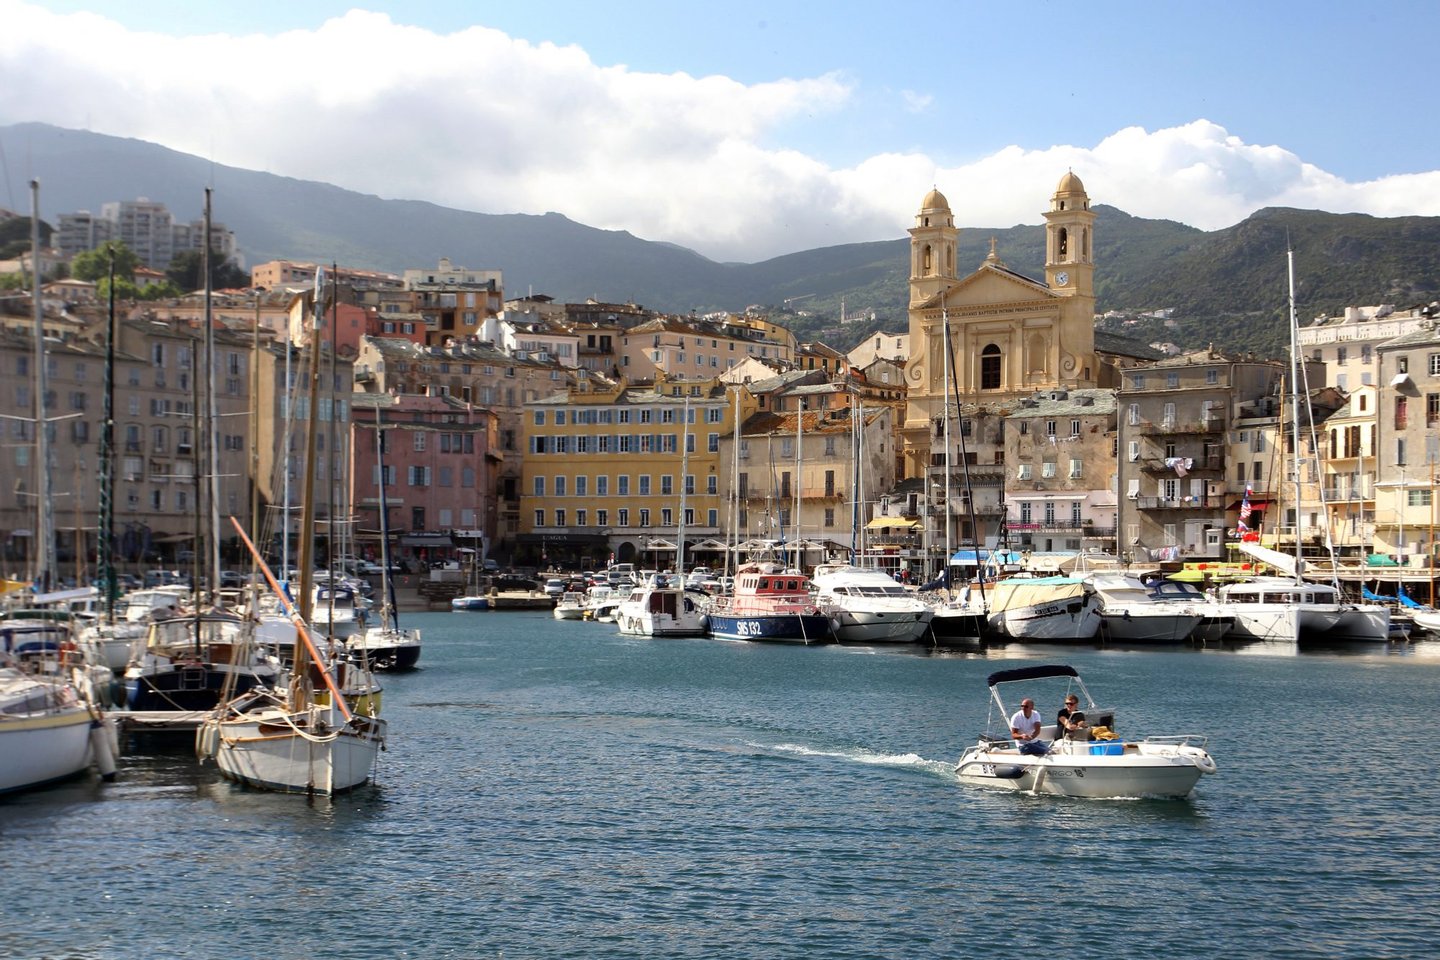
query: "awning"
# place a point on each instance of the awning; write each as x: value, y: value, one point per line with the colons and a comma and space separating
x: 967, y: 558
x: 879, y: 522
x: 425, y: 540
x: 1399, y: 379
x: 656, y: 543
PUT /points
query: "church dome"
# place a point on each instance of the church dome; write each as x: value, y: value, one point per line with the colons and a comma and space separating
x: 1070, y: 184
x: 935, y: 200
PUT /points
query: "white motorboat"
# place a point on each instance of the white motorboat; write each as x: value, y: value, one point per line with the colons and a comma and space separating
x: 1078, y: 766
x: 1045, y: 608
x: 1130, y: 614
x: 1216, y: 619
x: 114, y: 645
x: 48, y: 733
x: 1426, y: 618
x: 570, y: 606
x: 868, y: 606
x: 336, y: 612
x: 662, y: 607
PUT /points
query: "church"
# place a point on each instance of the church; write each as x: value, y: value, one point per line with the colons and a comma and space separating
x: 1009, y: 335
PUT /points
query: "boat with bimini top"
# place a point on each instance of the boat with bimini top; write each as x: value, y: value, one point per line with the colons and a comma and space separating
x: 1091, y: 760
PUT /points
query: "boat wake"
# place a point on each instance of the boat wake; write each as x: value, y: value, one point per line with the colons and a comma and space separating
x: 898, y: 761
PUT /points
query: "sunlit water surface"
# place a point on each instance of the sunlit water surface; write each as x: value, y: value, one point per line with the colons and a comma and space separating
x: 555, y: 790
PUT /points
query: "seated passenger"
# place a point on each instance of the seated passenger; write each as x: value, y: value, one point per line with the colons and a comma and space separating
x: 1070, y: 722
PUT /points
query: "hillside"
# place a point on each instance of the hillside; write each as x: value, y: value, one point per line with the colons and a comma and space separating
x: 1225, y: 286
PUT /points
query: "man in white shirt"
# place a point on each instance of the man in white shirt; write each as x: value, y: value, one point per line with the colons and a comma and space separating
x: 1025, y: 725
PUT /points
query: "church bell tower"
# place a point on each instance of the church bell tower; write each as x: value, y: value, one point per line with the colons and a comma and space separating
x: 933, y: 244
x: 1069, y: 237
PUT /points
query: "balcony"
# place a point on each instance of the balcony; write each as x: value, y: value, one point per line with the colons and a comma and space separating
x: 1158, y: 465
x: 1214, y: 423
x: 1181, y: 503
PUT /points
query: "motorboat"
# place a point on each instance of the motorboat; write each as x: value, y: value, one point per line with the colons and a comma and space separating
x: 1085, y: 762
x: 770, y: 603
x: 868, y: 606
x: 570, y: 606
x: 113, y: 645
x: 1216, y: 618
x: 662, y: 607
x: 48, y: 732
x: 961, y: 622
x: 473, y: 601
x: 336, y: 613
x: 1044, y: 608
x: 1130, y: 614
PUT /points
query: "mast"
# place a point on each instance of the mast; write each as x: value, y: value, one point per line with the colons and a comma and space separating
x: 307, y: 503
x: 799, y: 548
x: 45, y: 526
x: 857, y: 431
x: 975, y: 533
x: 732, y: 553
x: 1120, y: 454
x: 1295, y: 403
x: 684, y: 466
x: 105, y: 546
x: 948, y: 361
x: 387, y: 586
x: 212, y: 425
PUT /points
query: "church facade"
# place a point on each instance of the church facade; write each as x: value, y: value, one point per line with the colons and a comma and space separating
x: 994, y: 336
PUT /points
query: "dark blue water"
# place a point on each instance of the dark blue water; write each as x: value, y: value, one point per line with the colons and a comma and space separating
x: 555, y: 790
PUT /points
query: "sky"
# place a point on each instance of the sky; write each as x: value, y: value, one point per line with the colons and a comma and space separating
x: 746, y: 130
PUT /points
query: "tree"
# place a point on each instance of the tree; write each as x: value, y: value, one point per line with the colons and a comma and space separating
x: 94, y: 265
x: 184, y: 272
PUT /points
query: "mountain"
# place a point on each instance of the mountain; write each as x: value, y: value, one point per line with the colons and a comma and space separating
x: 1224, y: 286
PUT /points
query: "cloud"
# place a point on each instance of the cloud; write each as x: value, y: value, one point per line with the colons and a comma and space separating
x: 916, y: 102
x: 478, y: 120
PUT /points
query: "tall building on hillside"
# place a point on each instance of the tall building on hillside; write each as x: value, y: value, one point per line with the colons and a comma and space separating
x: 145, y: 226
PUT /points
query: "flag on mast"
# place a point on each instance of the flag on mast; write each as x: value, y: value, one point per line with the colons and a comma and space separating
x: 1245, y: 509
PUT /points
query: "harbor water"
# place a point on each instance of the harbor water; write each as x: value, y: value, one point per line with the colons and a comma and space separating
x: 553, y: 789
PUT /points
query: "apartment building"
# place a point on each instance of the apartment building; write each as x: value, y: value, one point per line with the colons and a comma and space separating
x: 1347, y: 344
x: 146, y: 227
x: 1408, y: 444
x: 439, y: 474
x: 677, y: 346
x: 478, y: 373
x: 1060, y: 448
x: 811, y: 473
x: 628, y: 470
x: 1173, y: 434
x: 454, y: 301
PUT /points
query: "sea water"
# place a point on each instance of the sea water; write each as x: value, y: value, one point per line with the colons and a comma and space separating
x: 552, y: 789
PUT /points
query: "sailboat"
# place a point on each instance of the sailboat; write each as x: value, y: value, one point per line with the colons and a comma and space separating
x: 385, y: 645
x: 302, y: 737
x: 1289, y: 608
x: 295, y: 739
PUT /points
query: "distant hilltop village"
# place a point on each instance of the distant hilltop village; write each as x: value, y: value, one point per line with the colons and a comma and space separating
x: 546, y: 434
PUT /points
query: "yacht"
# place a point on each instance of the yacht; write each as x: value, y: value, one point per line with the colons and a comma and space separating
x: 868, y: 606
x: 662, y: 606
x: 1216, y: 619
x: 1130, y: 614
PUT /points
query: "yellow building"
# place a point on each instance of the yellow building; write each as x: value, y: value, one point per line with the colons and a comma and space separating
x: 628, y: 471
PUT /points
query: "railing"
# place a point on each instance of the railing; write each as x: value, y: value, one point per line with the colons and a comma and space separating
x: 1158, y: 464
x: 1181, y: 503
x: 1211, y: 424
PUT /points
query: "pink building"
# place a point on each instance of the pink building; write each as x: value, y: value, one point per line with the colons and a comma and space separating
x: 440, y: 458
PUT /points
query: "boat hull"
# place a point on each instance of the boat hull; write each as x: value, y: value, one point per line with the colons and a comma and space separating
x: 470, y: 603
x: 1151, y: 627
x: 774, y: 628
x: 953, y: 627
x: 1074, y: 619
x: 45, y: 748
x: 855, y: 626
x: 388, y: 649
x: 272, y: 756
x: 1171, y: 773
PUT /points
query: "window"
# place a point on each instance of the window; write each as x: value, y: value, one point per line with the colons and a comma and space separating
x: 1138, y: 381
x: 560, y: 518
x: 1049, y: 511
x: 644, y: 516
x: 622, y: 485
x: 712, y: 518
x: 1402, y: 407
x: 644, y: 485
x: 539, y: 418
x: 1024, y: 473
x: 1418, y: 498
x: 990, y: 378
x: 1400, y: 453
x: 602, y: 489
x: 1134, y: 450
x: 539, y: 486
x: 622, y: 517
x: 580, y: 517
x: 560, y: 486
x: 1172, y: 380
x: 539, y: 518
x: 1432, y: 408
x: 1074, y: 468
x: 1434, y: 364
x: 667, y: 487
x: 582, y: 484
x: 1047, y: 469
x: 1134, y: 414
x: 1049, y: 428
x: 1212, y: 377
x: 1341, y: 355
x: 418, y: 440
x: 1075, y: 512
x: 1074, y: 428
x: 667, y: 517
x: 1025, y: 514
x: 602, y: 518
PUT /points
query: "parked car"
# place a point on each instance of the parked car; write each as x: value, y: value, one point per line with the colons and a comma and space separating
x: 490, y: 566
x: 554, y: 586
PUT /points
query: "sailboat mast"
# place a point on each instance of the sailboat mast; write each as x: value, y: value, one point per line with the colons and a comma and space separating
x: 1295, y: 404
x: 730, y: 555
x: 684, y: 466
x: 307, y: 494
x: 45, y: 527
x: 387, y: 586
x: 799, y: 550
x: 105, y: 546
x: 212, y: 425
x: 857, y: 430
x: 948, y: 360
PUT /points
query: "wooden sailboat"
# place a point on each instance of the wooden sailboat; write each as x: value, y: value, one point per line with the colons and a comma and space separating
x: 304, y: 737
